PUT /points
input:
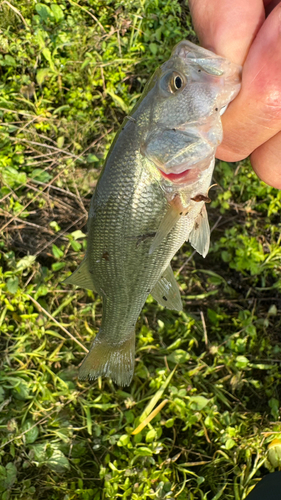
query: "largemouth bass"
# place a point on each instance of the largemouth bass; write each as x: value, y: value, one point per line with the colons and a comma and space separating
x: 150, y: 199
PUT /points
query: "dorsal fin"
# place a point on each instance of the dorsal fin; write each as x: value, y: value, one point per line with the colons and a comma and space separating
x: 81, y: 277
x: 166, y: 291
x: 199, y: 237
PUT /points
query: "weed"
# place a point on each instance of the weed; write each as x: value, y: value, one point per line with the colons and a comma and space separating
x: 204, y: 402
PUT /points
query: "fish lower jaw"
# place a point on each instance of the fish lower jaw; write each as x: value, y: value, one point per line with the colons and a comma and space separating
x: 188, y: 176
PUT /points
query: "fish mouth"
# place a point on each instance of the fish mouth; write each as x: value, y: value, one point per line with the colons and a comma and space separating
x: 186, y: 177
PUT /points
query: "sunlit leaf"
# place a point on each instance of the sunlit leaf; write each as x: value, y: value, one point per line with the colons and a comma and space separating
x: 12, y: 284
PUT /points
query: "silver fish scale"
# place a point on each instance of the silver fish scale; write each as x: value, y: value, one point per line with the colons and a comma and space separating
x: 118, y: 246
x: 120, y: 238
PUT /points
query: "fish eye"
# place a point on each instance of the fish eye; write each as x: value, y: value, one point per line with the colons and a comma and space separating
x: 172, y: 82
x: 176, y: 83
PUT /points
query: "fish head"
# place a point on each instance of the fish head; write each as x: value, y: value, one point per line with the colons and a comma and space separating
x: 218, y: 80
x: 186, y: 98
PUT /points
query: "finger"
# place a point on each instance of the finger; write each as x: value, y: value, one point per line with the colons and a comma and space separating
x: 266, y: 161
x: 255, y: 115
x: 227, y: 27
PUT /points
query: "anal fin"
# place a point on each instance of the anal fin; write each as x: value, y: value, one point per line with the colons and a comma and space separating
x: 114, y: 360
x: 199, y: 237
x: 81, y: 277
x: 166, y: 291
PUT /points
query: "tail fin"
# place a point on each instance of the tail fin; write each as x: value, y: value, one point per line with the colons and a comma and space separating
x: 112, y: 360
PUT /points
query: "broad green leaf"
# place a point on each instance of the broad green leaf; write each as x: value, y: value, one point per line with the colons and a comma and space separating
x: 57, y: 252
x: 129, y: 415
x: 32, y: 434
x: 18, y: 209
x: 274, y: 405
x: 26, y: 262
x: 42, y: 74
x: 170, y: 422
x: 58, y: 462
x: 241, y: 362
x: 198, y: 402
x: 44, y: 11
x: 41, y: 291
x: 54, y: 225
x: 151, y: 436
x: 123, y: 440
x: 9, y: 60
x: 51, y: 456
x: 13, y: 177
x: 92, y: 158
x: 57, y: 12
x: 40, y: 175
x: 12, y: 284
x: 75, y: 245
x: 8, y: 476
x: 272, y: 311
x: 60, y: 141
x: 38, y: 452
x: 153, y: 48
x: 143, y: 451
x: 230, y: 443
x: 178, y: 356
x: 40, y: 37
x: 274, y: 453
x: 21, y: 390
x: 78, y: 234
x: 57, y: 266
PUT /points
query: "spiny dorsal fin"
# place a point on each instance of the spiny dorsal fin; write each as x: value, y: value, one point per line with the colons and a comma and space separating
x: 199, y: 237
x: 166, y: 291
x: 81, y: 277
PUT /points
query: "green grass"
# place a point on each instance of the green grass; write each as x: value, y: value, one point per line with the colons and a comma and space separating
x: 70, y: 71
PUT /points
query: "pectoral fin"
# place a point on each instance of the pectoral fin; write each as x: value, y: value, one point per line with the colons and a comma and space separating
x: 199, y: 237
x: 166, y: 291
x: 168, y: 222
x: 81, y: 277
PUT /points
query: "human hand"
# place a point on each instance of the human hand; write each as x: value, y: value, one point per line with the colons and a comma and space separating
x: 240, y: 31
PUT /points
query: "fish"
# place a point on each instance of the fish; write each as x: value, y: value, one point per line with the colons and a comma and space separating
x: 150, y: 198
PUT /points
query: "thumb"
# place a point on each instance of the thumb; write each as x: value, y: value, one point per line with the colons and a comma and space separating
x: 227, y: 27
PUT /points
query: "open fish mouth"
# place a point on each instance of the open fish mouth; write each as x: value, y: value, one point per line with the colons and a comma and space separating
x: 186, y: 177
